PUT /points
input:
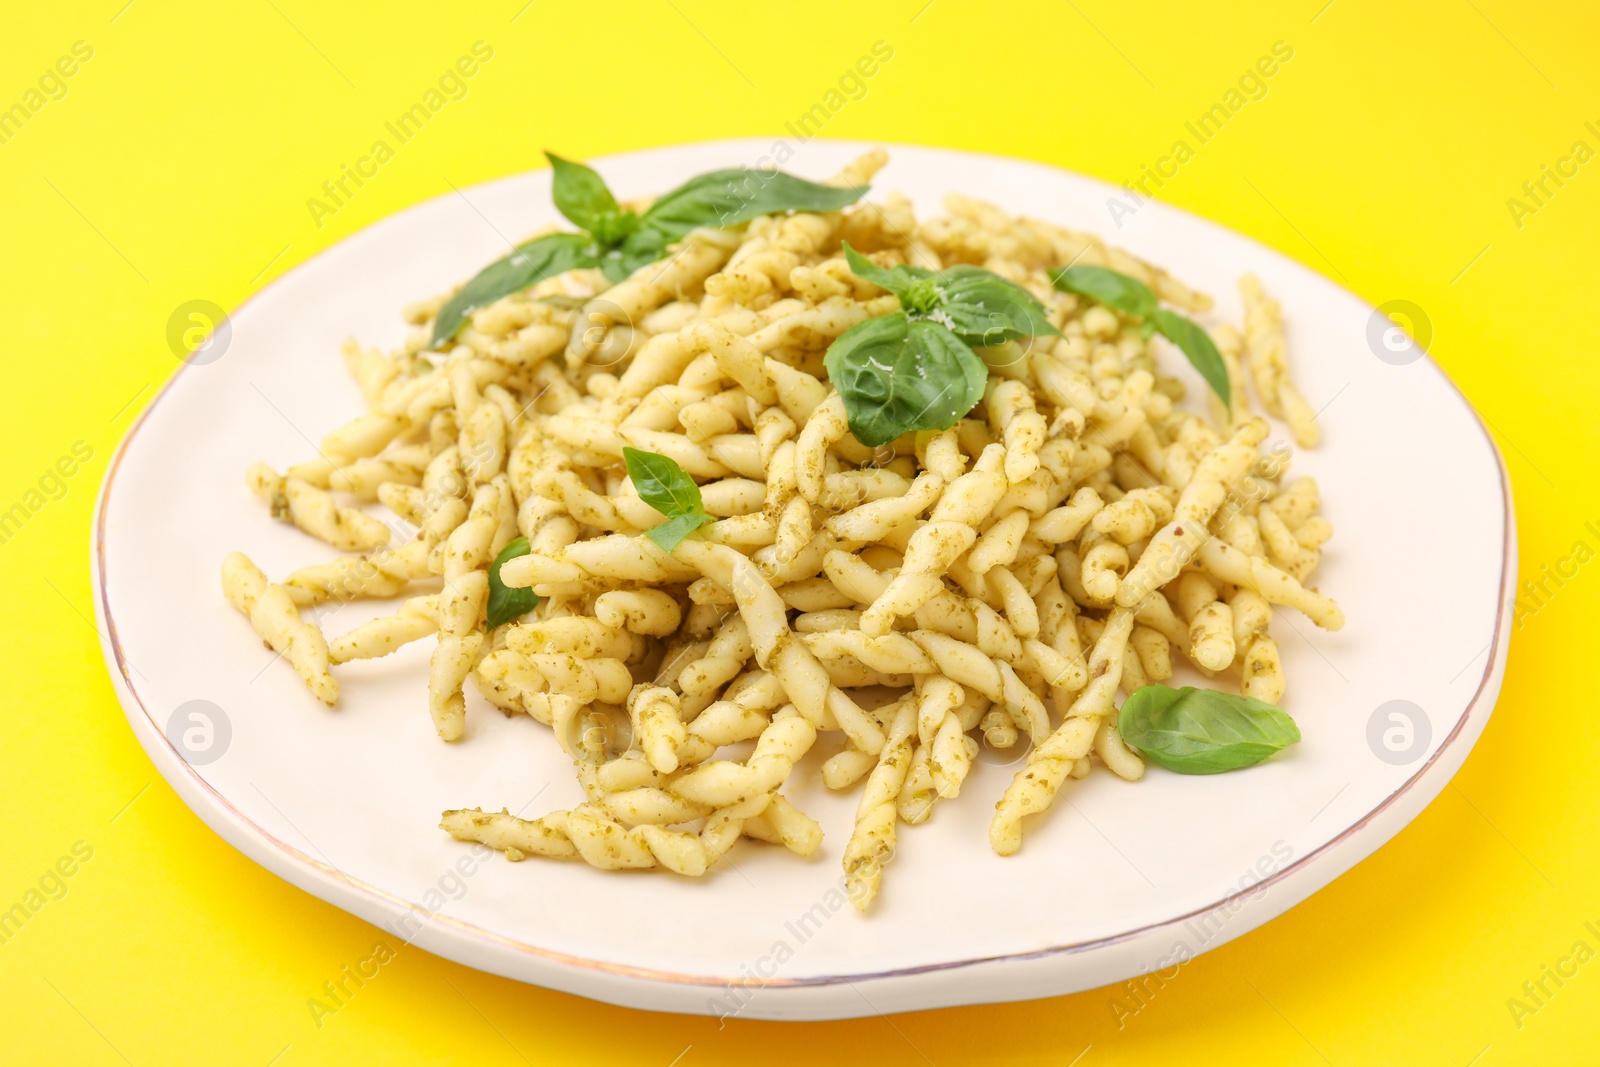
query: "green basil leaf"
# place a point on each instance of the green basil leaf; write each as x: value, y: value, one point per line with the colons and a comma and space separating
x: 665, y: 486
x: 509, y: 602
x: 541, y: 258
x: 661, y: 483
x: 614, y: 267
x: 579, y: 193
x: 729, y: 197
x: 897, y: 279
x: 981, y: 307
x: 985, y: 309
x: 643, y: 246
x: 1202, y: 731
x: 614, y: 227
x: 1115, y: 290
x: 1192, y: 339
x: 896, y: 375
x: 670, y: 533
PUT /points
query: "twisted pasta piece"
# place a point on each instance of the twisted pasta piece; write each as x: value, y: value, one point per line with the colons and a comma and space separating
x: 1269, y: 365
x: 1230, y: 346
x: 460, y: 611
x: 724, y: 659
x: 1211, y: 643
x: 1262, y: 670
x: 314, y: 510
x: 826, y: 427
x: 642, y: 611
x: 999, y: 544
x: 1155, y: 652
x: 875, y: 519
x: 470, y: 546
x: 591, y: 833
x: 483, y: 443
x: 509, y: 682
x: 383, y: 574
x: 1012, y: 413
x: 272, y: 614
x: 1255, y: 573
x: 781, y: 823
x: 871, y: 843
x: 1035, y: 786
x: 1137, y: 515
x: 579, y: 635
x: 945, y: 712
x: 657, y: 725
x: 416, y: 619
x: 738, y: 359
x: 1114, y: 753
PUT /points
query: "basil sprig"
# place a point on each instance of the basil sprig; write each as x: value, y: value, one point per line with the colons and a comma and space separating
x: 1135, y: 299
x: 507, y: 602
x: 581, y: 195
x: 1202, y: 731
x: 620, y: 242
x: 665, y: 486
x: 915, y: 369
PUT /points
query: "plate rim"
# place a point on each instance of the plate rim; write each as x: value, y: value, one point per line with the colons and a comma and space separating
x: 169, y: 762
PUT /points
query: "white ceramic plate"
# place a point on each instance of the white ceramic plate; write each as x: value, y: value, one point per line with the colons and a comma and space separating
x: 1117, y: 880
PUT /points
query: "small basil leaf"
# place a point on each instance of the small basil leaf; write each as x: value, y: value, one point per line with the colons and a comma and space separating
x: 1202, y: 731
x: 670, y: 533
x: 981, y: 307
x: 661, y: 483
x: 508, y: 602
x: 1195, y: 343
x: 665, y: 486
x: 1112, y: 288
x: 985, y: 309
x: 897, y: 279
x: 541, y: 258
x: 579, y: 193
x: 896, y: 375
x: 729, y: 197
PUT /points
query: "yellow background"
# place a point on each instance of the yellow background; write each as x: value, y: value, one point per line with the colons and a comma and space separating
x: 178, y: 166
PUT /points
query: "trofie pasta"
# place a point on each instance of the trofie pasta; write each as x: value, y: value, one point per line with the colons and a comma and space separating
x: 993, y: 582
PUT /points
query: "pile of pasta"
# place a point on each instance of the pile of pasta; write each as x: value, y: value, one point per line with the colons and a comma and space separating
x: 993, y: 584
